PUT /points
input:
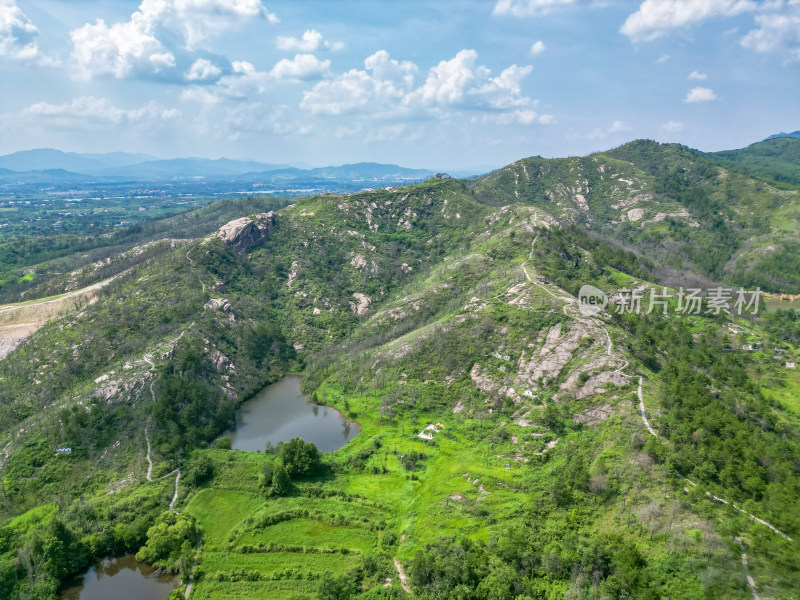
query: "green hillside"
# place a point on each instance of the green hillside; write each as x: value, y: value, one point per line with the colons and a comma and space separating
x: 776, y: 159
x: 421, y: 306
x: 693, y: 217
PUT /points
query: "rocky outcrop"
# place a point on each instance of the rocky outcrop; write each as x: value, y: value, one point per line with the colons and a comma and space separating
x: 220, y: 304
x: 248, y: 232
x: 361, y: 305
x: 221, y: 362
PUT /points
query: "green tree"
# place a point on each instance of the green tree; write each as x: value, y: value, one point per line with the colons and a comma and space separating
x: 281, y: 482
x: 299, y: 458
x: 202, y: 470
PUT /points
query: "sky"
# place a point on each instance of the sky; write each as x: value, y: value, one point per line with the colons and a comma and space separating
x: 449, y: 84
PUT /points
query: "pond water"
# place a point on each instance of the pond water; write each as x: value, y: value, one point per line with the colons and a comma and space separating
x: 280, y: 412
x: 120, y: 578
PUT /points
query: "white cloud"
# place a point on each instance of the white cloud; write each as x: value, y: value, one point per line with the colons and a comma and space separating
x: 778, y: 30
x: 312, y: 41
x: 523, y: 116
x: 386, y: 68
x: 203, y: 69
x: 120, y: 49
x: 459, y: 81
x: 17, y: 33
x: 381, y: 90
x: 147, y: 45
x: 448, y: 82
x: 672, y: 127
x: 655, y: 18
x: 538, y: 47
x: 91, y: 110
x: 528, y: 8
x: 202, y: 18
x: 700, y: 94
x: 697, y: 75
x: 662, y: 59
x: 387, y: 88
x: 302, y: 67
x: 243, y: 83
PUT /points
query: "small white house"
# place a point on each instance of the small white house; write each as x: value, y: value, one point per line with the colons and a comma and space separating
x: 790, y: 365
x: 63, y: 450
x: 427, y: 433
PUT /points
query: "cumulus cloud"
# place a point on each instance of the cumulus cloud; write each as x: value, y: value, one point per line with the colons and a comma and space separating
x: 91, y: 110
x: 528, y: 8
x: 655, y: 18
x: 243, y: 83
x: 700, y: 94
x: 778, y: 30
x: 312, y: 41
x: 203, y: 69
x: 147, y: 45
x: 538, y: 47
x: 459, y: 81
x: 303, y: 67
x: 380, y: 89
x: 388, y: 87
x: 672, y: 127
x: 697, y: 75
x: 17, y: 33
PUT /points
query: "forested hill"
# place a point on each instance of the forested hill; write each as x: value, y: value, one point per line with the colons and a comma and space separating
x: 732, y: 217
x: 621, y: 454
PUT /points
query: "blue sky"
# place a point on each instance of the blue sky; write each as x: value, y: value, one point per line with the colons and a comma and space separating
x: 431, y: 84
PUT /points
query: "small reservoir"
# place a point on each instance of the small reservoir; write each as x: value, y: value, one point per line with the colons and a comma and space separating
x: 122, y: 578
x: 280, y: 412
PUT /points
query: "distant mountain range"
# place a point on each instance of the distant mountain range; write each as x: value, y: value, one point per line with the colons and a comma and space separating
x: 794, y: 134
x: 37, y: 166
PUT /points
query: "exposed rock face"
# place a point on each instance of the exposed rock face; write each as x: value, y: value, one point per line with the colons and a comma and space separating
x: 221, y: 362
x: 361, y: 305
x: 248, y: 232
x: 219, y: 304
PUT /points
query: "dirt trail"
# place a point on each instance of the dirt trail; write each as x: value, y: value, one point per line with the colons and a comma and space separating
x: 149, y: 460
x: 642, y: 413
x: 150, y: 362
x: 175, y: 496
x: 403, y: 577
x: 191, y: 266
x: 750, y: 580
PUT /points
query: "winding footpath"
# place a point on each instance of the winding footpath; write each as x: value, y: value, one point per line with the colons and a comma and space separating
x: 403, y: 577
x: 642, y: 412
x: 175, y: 495
x: 150, y: 362
x: 149, y: 460
x: 750, y: 580
x: 191, y: 266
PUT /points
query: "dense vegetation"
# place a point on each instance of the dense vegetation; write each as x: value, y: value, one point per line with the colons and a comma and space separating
x: 416, y: 311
